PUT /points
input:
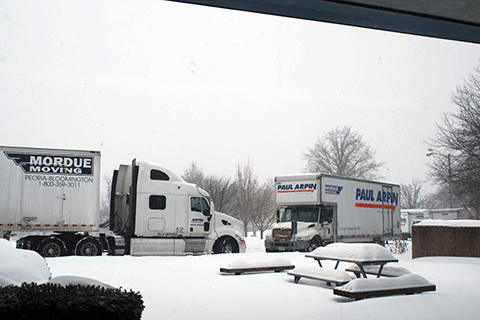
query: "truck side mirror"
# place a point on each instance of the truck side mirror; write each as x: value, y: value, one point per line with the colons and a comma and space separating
x: 294, y: 227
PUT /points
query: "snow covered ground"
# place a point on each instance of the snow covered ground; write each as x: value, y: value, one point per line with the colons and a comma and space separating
x: 192, y: 287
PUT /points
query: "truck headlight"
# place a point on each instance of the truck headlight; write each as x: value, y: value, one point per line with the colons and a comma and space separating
x: 304, y: 238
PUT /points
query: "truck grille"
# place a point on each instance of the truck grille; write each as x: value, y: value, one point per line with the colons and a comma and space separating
x: 282, y: 234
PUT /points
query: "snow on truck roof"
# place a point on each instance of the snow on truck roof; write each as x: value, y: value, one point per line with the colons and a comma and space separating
x: 416, y: 211
x: 315, y: 176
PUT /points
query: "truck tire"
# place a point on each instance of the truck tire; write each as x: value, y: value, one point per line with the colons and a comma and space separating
x: 315, y: 243
x: 225, y: 245
x: 51, y: 247
x: 88, y: 247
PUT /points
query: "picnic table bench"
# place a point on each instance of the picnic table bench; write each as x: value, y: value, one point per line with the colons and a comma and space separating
x: 328, y: 275
x: 238, y: 267
x: 239, y: 271
x: 361, y: 288
x: 387, y: 271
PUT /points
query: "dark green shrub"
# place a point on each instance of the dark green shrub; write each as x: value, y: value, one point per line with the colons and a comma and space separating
x: 53, y: 301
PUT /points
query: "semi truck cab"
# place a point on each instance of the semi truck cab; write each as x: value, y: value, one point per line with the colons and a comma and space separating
x: 158, y: 213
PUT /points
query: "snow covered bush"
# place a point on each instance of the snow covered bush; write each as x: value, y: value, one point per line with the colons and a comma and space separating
x: 18, y: 266
x: 53, y: 301
x: 397, y: 246
x: 27, y: 291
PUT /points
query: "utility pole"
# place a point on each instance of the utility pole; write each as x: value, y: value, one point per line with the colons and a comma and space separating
x: 449, y: 174
x: 450, y: 200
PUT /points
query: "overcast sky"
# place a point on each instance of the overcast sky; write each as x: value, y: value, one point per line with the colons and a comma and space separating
x: 174, y: 83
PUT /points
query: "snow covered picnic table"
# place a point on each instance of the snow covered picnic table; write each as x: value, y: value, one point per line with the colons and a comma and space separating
x: 367, y: 258
x: 361, y: 254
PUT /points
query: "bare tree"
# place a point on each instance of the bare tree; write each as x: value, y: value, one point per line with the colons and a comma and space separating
x: 194, y: 174
x: 242, y: 198
x: 246, y: 182
x: 413, y: 196
x: 222, y: 191
x: 456, y: 148
x: 342, y: 152
x: 263, y: 216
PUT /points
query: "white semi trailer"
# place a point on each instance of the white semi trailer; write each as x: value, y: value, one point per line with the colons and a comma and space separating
x: 52, y: 196
x: 316, y: 209
x: 409, y: 217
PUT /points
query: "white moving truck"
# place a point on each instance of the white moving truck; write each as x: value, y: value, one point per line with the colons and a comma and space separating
x: 52, y: 196
x: 316, y: 209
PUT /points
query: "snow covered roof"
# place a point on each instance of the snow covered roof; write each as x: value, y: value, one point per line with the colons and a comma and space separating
x: 449, y: 223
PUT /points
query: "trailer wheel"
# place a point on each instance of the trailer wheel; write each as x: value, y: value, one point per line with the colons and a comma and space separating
x: 225, y: 245
x: 51, y: 247
x: 88, y: 247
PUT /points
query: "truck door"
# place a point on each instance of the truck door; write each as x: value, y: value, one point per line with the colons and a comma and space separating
x: 387, y: 210
x: 326, y: 222
x: 199, y: 216
x: 161, y: 214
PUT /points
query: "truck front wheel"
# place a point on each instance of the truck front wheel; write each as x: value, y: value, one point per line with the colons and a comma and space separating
x: 315, y: 243
x: 225, y: 245
x: 88, y: 247
x: 51, y: 247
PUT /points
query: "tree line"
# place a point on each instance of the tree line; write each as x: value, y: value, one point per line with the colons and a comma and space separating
x: 455, y: 149
x: 243, y: 197
x: 455, y: 170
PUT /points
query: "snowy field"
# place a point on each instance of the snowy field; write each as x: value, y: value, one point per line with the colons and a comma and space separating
x: 192, y: 287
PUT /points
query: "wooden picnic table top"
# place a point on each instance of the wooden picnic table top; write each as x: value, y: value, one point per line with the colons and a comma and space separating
x: 356, y: 261
x: 362, y: 254
x: 361, y: 263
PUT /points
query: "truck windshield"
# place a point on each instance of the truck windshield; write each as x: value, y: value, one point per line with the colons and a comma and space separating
x: 305, y: 214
